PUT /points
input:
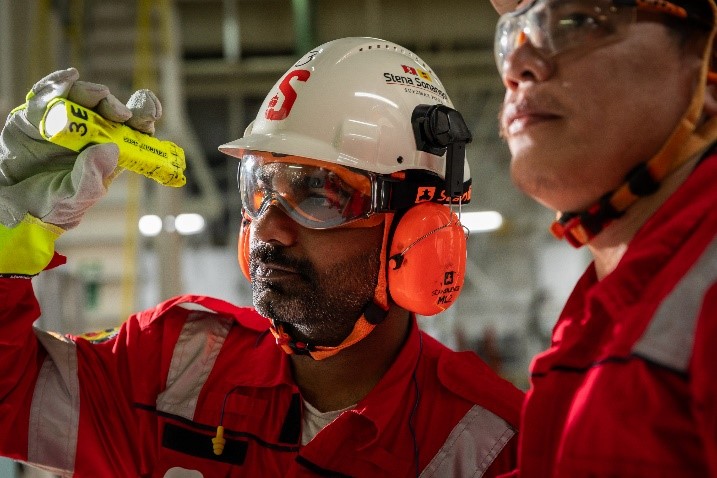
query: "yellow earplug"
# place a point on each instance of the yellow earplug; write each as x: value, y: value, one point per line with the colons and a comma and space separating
x: 219, y: 441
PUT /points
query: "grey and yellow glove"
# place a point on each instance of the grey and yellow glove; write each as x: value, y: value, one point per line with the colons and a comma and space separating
x: 44, y: 188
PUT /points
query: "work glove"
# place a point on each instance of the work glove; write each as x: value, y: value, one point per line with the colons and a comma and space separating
x: 45, y: 189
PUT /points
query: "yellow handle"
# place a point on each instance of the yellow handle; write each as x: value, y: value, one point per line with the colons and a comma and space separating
x: 75, y: 127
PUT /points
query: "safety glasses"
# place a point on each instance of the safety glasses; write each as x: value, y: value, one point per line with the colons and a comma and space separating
x: 556, y: 26
x: 315, y: 194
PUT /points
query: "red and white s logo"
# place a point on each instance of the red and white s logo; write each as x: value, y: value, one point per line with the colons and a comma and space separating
x: 289, y: 96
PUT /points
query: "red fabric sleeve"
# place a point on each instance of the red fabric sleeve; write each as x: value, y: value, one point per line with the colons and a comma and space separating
x: 20, y: 361
x: 119, y: 380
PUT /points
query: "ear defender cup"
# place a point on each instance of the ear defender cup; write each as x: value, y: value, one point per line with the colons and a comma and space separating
x: 427, y: 259
x: 243, y: 247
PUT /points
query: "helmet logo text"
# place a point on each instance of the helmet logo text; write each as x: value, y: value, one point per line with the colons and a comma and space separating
x: 289, y: 96
x: 414, y: 82
x: 431, y: 193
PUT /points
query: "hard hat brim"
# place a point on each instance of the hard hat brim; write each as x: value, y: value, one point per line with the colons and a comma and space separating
x: 286, y: 143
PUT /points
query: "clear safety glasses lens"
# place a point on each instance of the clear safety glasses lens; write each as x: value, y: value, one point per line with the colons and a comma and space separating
x: 554, y: 26
x: 316, y: 197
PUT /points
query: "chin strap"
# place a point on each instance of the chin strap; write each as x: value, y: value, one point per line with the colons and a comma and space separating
x: 686, y: 141
x: 578, y: 228
x: 362, y: 328
x: 374, y: 314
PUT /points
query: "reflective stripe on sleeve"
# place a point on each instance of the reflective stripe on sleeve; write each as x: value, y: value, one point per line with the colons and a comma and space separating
x: 471, y: 446
x: 669, y: 338
x: 194, y: 355
x: 55, y: 409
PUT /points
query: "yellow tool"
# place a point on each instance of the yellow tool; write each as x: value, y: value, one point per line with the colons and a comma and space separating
x: 75, y: 127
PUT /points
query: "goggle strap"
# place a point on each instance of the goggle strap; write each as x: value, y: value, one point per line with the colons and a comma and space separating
x: 665, y: 7
x: 393, y: 195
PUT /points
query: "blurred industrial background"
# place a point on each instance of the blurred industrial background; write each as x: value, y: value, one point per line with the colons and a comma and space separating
x: 211, y: 62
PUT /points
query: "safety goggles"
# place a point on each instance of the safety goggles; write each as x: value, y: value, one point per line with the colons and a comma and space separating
x: 316, y: 194
x: 556, y: 26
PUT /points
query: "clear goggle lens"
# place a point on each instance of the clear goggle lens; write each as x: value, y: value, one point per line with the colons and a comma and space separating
x: 315, y: 194
x: 555, y: 26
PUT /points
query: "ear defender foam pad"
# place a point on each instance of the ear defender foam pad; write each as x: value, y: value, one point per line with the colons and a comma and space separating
x: 427, y: 259
x: 243, y: 247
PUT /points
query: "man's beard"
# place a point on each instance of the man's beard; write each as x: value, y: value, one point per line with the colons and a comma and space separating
x: 320, y: 308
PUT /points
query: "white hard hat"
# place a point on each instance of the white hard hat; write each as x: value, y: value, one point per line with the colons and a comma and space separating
x: 350, y: 102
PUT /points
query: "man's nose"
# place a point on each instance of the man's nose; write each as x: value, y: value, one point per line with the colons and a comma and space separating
x: 525, y: 63
x: 274, y: 225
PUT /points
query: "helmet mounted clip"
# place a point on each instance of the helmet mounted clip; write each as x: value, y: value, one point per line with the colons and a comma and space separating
x: 439, y: 129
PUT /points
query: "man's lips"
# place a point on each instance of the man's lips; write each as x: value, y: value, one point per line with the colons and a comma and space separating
x: 272, y: 271
x: 519, y: 116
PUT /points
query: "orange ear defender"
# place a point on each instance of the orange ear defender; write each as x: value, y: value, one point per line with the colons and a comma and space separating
x: 243, y: 246
x: 427, y: 259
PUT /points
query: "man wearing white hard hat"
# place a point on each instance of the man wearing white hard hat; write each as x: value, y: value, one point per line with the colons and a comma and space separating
x: 609, y: 114
x: 351, y: 178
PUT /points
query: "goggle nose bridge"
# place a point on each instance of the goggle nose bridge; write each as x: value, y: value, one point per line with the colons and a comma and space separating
x: 273, y: 198
x: 523, y: 29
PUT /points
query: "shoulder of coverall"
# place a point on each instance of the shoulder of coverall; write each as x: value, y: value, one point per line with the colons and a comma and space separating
x: 183, y: 305
x: 466, y: 375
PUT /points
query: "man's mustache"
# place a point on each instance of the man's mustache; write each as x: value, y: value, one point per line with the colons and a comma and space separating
x: 269, y: 254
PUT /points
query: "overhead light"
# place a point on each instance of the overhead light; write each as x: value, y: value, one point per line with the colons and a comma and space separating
x: 185, y: 224
x: 150, y: 225
x: 482, y: 221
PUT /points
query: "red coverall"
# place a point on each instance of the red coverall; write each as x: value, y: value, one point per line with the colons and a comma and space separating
x: 146, y: 400
x: 628, y: 387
